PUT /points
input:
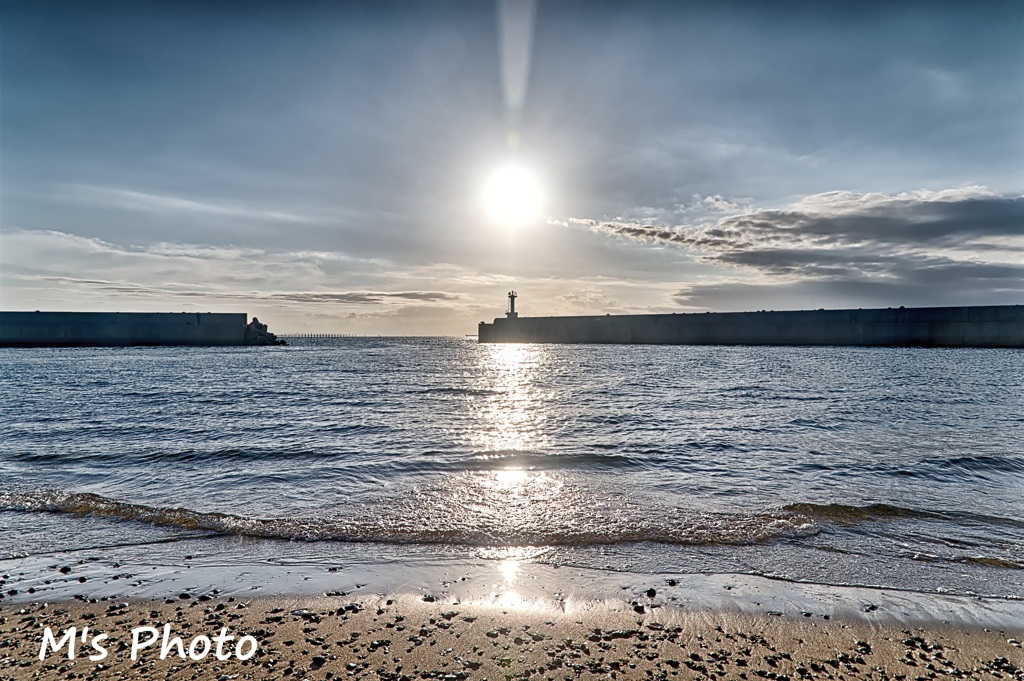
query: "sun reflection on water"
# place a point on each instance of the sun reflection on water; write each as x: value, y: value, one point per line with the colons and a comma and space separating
x: 509, y: 569
x: 507, y: 590
x: 511, y: 500
x: 514, y: 415
x: 510, y: 479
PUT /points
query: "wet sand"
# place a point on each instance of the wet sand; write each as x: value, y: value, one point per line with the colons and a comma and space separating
x: 415, y: 637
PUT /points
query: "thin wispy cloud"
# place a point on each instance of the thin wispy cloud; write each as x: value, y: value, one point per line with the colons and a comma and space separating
x: 312, y: 297
x: 143, y: 201
x: 20, y: 243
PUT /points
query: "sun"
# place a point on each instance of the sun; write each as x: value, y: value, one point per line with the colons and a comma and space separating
x: 512, y: 195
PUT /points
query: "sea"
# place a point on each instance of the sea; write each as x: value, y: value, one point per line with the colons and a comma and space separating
x: 145, y: 471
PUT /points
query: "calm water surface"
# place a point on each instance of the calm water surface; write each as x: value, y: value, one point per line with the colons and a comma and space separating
x: 871, y: 466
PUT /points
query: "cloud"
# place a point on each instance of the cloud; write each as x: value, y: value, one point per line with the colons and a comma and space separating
x: 588, y: 300
x: 967, y: 238
x: 44, y: 249
x: 191, y: 271
x: 949, y: 218
x: 149, y: 202
x: 936, y: 287
x: 364, y: 297
x: 314, y: 297
x: 717, y: 202
x: 293, y: 290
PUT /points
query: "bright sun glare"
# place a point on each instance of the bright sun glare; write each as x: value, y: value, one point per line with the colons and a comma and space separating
x: 512, y: 195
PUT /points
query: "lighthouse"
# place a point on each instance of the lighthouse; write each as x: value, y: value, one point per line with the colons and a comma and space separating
x: 512, y: 314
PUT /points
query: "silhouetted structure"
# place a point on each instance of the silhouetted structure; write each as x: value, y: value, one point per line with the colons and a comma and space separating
x: 991, y: 326
x: 80, y: 329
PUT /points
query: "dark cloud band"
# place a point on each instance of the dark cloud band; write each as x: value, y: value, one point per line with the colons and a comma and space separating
x: 332, y: 297
x: 910, y: 240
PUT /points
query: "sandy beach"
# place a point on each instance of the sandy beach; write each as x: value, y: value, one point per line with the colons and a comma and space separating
x: 407, y: 637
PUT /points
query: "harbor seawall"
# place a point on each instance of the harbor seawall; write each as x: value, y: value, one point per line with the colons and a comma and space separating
x: 991, y: 326
x: 82, y: 329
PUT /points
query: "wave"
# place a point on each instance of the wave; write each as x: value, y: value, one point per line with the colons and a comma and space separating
x: 984, y: 465
x: 851, y: 515
x: 431, y: 519
x: 845, y: 514
x: 989, y: 468
x: 986, y: 561
x: 539, y: 461
x: 457, y: 391
x: 606, y: 457
x: 218, y: 456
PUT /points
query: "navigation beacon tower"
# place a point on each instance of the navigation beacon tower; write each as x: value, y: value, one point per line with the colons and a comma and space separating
x: 512, y: 314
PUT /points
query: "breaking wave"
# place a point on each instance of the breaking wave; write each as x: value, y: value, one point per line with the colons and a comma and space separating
x: 429, y: 520
x: 842, y: 513
x: 852, y: 515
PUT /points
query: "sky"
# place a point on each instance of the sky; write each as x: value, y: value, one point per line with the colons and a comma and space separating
x: 322, y: 165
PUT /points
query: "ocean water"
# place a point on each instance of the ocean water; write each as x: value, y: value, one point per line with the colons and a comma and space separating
x: 891, y: 467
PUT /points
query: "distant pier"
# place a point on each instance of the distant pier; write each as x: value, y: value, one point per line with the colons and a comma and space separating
x: 124, y: 329
x: 289, y: 336
x: 990, y: 326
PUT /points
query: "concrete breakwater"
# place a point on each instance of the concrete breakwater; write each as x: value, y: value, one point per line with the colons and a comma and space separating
x: 84, y: 329
x: 990, y: 326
